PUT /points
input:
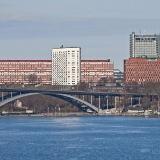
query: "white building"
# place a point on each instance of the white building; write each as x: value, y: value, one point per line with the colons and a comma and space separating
x: 66, y: 65
x: 144, y: 45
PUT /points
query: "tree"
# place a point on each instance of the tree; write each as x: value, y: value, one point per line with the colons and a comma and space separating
x: 133, y: 87
x: 156, y: 92
x: 39, y: 80
x: 32, y: 78
x: 105, y: 80
x: 146, y: 102
x: 83, y: 86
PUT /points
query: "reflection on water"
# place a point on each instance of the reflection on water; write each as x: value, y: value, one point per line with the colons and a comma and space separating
x: 90, y: 137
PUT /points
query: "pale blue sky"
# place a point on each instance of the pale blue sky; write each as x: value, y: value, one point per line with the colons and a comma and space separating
x: 30, y: 29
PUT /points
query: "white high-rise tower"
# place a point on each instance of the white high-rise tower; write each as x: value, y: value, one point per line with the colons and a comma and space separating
x: 66, y: 65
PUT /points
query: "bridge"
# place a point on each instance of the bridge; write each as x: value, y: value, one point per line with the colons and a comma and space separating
x: 77, y: 98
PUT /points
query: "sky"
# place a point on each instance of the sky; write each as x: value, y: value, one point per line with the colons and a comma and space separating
x: 30, y: 29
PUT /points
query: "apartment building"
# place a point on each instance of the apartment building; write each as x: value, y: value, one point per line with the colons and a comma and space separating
x: 93, y: 70
x: 25, y: 71
x: 66, y: 65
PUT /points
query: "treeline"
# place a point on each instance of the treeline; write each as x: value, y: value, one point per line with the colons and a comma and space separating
x: 151, y: 90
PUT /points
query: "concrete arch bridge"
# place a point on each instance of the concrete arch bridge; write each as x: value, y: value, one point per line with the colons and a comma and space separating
x: 81, y: 104
x: 73, y: 97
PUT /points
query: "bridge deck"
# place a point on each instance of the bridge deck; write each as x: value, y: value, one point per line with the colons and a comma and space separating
x: 71, y: 92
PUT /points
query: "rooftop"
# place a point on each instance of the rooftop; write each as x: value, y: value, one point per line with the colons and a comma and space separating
x: 108, y: 60
x: 25, y: 60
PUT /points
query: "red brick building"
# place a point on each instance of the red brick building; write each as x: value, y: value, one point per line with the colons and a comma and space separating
x: 142, y: 70
x: 93, y: 70
x: 20, y: 71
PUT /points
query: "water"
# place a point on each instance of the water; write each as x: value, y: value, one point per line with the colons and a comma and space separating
x: 78, y: 138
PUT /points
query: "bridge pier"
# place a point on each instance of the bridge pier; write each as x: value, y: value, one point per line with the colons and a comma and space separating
x: 91, y: 99
x: 131, y: 101
x: 107, y: 102
x: 99, y: 102
x: 2, y: 96
x: 115, y: 102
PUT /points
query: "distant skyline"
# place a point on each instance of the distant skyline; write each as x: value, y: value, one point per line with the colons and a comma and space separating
x: 30, y: 29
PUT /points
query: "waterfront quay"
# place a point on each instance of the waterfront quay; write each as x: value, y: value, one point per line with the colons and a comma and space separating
x: 79, y: 114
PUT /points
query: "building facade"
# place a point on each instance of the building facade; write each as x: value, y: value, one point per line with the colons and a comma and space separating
x: 142, y: 70
x: 118, y: 75
x: 66, y: 65
x: 25, y: 71
x: 144, y: 45
x: 93, y: 70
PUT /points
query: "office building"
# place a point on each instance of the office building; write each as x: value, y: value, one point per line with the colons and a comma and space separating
x: 144, y: 46
x: 66, y: 65
x: 25, y: 71
x: 142, y: 70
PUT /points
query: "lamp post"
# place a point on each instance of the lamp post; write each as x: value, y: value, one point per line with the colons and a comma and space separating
x: 48, y: 111
x: 59, y: 110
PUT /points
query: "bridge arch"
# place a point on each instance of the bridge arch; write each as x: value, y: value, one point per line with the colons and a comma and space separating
x: 71, y: 99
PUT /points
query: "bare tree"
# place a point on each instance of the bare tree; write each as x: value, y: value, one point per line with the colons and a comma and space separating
x: 39, y: 80
x: 146, y: 102
x: 133, y: 87
x: 83, y: 86
x: 32, y: 78
x: 105, y: 80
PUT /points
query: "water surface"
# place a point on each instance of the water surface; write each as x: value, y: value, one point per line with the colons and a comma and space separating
x: 77, y: 138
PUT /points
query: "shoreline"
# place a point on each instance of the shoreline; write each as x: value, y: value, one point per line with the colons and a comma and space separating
x: 77, y: 114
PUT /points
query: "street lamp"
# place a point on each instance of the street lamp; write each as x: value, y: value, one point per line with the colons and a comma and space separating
x: 48, y: 111
x: 55, y: 110
x: 59, y: 110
